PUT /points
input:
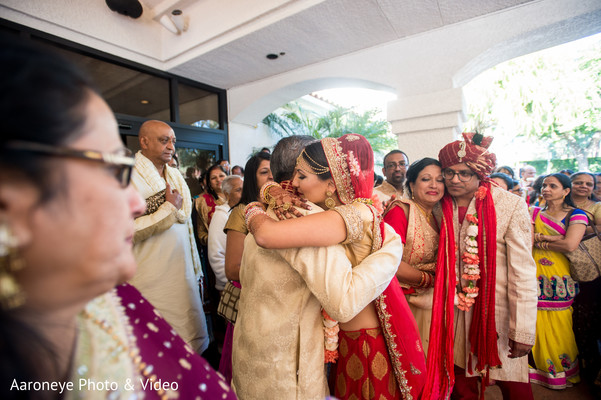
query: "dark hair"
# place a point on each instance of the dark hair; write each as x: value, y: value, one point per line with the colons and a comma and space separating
x: 285, y: 153
x: 506, y: 178
x: 42, y: 100
x: 237, y: 166
x: 577, y: 174
x: 566, y: 171
x: 537, y: 187
x: 315, y: 156
x: 207, y: 179
x: 508, y: 169
x: 394, y: 152
x: 378, y: 179
x: 250, y: 188
x: 566, y: 183
x: 190, y: 171
x: 416, y: 168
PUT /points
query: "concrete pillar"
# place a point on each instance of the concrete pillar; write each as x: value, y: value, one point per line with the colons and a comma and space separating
x: 426, y: 122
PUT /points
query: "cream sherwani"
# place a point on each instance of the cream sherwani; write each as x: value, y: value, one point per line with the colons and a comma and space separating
x: 278, y: 337
x: 168, y: 262
x: 385, y: 191
x: 516, y: 286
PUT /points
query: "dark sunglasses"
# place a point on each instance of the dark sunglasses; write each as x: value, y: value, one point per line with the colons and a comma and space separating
x: 121, y: 163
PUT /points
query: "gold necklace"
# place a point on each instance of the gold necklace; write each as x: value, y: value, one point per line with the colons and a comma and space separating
x: 426, y: 215
x: 583, y: 204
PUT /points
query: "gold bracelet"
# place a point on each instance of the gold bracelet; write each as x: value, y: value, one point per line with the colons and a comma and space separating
x: 431, y: 279
x: 423, y: 278
x: 264, y: 192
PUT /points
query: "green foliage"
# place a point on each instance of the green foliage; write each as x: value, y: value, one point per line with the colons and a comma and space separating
x: 553, y: 97
x: 556, y: 165
x: 292, y: 119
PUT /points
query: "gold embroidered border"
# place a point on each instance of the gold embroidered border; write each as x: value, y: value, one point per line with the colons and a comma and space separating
x: 395, y: 356
x: 352, y: 219
x: 337, y: 161
x: 154, y: 202
x: 376, y: 232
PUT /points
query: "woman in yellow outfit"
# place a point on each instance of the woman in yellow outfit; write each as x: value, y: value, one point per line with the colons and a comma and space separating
x: 558, y: 228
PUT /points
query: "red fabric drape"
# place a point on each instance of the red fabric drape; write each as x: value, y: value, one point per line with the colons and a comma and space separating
x: 440, y: 376
x: 483, y: 331
x: 482, y: 334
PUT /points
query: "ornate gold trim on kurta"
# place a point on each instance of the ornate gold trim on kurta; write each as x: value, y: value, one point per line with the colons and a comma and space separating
x: 154, y: 202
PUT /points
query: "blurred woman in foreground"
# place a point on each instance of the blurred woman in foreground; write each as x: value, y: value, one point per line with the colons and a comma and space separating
x: 66, y: 227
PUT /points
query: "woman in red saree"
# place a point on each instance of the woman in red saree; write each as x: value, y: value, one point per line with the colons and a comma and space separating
x: 205, y: 203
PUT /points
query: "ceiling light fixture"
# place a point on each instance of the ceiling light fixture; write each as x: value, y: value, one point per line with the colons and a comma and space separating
x: 177, y: 16
x: 144, y: 102
x: 273, y: 56
x: 175, y: 23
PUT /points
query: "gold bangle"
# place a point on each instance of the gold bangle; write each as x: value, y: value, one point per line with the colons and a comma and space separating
x: 264, y: 192
x: 421, y: 281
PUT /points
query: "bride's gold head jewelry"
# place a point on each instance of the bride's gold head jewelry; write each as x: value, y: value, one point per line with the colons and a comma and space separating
x: 317, y: 168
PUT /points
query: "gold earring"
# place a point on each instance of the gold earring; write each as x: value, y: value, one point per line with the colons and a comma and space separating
x: 11, y: 295
x: 330, y: 202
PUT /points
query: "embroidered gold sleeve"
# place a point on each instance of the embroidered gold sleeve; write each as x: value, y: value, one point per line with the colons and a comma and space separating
x: 154, y: 202
x: 354, y: 224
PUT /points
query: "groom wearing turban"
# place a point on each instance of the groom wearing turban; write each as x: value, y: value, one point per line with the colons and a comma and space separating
x: 485, y: 296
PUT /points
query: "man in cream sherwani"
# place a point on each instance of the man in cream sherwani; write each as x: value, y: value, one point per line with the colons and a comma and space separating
x: 278, y: 346
x: 164, y: 246
x: 505, y: 336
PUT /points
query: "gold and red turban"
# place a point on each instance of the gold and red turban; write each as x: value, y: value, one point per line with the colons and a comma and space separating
x: 473, y: 151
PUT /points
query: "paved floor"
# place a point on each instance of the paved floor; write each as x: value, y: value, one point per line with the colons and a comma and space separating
x: 579, y: 391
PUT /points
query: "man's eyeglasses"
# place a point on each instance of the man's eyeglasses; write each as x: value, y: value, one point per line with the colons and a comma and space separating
x: 464, y: 176
x: 394, y: 165
x: 122, y: 163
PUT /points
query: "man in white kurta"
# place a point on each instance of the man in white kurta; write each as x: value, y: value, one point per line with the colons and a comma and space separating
x: 465, y: 164
x: 217, y: 240
x: 278, y: 347
x: 164, y: 246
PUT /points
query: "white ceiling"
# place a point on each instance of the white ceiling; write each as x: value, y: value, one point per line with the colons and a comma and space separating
x: 227, y: 40
x: 323, y: 31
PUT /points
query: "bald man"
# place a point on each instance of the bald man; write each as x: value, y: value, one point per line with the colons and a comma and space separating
x: 164, y: 246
